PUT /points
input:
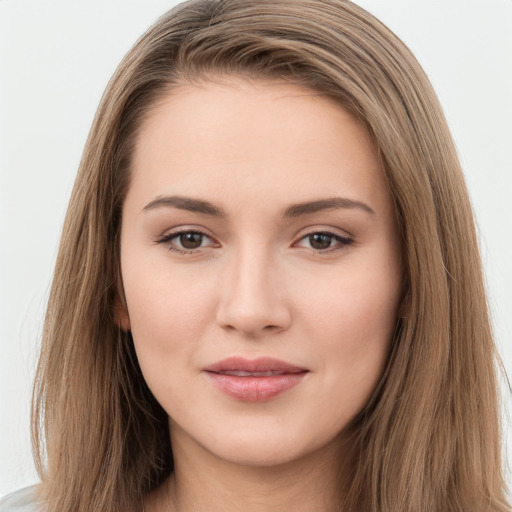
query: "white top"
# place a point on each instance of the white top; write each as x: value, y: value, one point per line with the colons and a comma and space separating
x: 23, y: 500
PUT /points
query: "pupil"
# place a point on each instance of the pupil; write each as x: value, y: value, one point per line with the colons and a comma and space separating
x: 191, y: 240
x: 320, y: 241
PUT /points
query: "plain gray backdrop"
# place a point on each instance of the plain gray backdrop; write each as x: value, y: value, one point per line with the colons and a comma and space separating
x: 56, y: 57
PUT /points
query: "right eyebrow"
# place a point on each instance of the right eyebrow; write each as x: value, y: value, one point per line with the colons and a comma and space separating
x: 186, y: 203
x: 332, y: 203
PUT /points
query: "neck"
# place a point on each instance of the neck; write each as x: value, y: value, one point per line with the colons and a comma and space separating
x: 201, y: 482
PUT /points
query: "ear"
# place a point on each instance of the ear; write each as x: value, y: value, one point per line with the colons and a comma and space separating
x: 121, y: 317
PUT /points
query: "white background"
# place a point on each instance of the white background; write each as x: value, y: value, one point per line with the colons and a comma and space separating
x: 56, y: 57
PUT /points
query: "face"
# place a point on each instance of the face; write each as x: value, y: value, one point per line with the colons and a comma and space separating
x: 261, y: 266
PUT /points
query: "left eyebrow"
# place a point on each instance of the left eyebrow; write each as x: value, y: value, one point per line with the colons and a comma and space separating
x: 186, y: 203
x: 321, y: 205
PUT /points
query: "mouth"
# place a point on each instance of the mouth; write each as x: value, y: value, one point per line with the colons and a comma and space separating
x: 255, y: 380
x: 241, y: 373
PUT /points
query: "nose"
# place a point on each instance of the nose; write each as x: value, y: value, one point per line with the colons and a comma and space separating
x: 253, y: 296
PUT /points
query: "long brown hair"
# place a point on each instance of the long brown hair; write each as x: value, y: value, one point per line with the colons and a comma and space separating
x: 429, y: 438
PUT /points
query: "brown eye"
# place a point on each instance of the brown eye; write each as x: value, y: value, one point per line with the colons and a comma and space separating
x: 185, y: 242
x: 191, y: 240
x: 325, y: 242
x: 320, y: 241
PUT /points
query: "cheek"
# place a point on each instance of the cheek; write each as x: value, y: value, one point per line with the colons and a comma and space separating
x: 358, y: 305
x: 168, y: 314
x: 352, y: 321
x: 162, y: 298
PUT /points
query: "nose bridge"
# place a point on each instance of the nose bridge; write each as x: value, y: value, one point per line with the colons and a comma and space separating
x: 252, y: 299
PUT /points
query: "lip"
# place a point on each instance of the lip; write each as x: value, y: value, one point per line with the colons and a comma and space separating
x: 254, y: 380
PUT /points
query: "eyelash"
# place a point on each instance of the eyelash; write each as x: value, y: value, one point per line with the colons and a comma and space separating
x: 166, y: 239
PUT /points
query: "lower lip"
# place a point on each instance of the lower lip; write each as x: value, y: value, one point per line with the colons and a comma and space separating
x: 255, y: 389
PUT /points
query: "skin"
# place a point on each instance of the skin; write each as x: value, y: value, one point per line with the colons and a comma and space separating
x: 258, y: 285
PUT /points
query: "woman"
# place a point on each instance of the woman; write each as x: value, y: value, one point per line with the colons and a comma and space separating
x: 268, y: 293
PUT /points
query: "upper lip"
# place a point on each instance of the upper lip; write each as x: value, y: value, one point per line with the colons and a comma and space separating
x: 261, y: 364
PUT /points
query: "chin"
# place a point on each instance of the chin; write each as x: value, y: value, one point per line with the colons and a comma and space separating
x: 256, y: 449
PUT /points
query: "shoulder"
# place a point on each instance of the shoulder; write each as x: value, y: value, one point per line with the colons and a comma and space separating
x: 23, y: 500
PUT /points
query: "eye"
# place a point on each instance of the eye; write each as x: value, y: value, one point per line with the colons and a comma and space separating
x: 324, y: 241
x: 186, y: 242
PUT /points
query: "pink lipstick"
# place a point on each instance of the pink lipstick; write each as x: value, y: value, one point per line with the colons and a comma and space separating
x: 254, y: 380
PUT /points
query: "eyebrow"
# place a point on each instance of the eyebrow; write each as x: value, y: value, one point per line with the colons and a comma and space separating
x: 186, y: 203
x: 295, y: 210
x: 333, y: 203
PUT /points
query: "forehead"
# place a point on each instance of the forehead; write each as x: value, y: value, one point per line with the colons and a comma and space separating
x: 237, y: 137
